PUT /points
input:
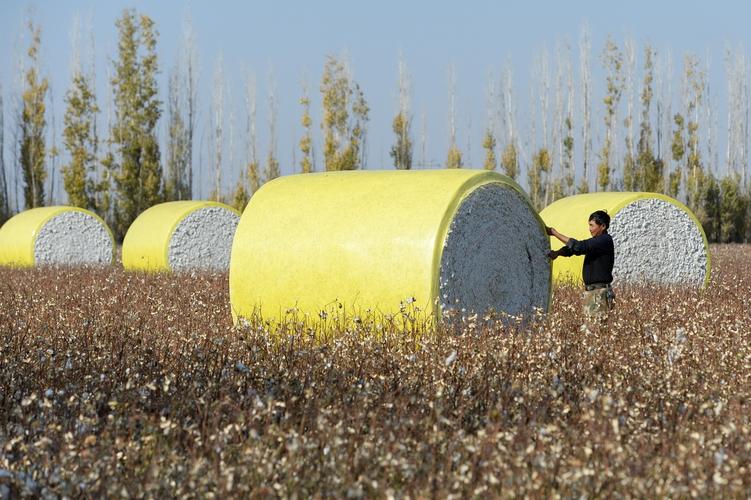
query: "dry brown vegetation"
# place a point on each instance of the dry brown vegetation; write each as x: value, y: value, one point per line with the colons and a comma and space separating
x: 124, y: 384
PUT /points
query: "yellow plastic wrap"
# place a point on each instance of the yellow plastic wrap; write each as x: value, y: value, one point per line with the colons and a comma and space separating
x: 18, y: 235
x: 146, y: 244
x: 367, y: 240
x: 570, y: 216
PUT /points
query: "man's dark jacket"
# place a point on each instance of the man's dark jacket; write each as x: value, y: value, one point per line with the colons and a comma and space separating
x: 599, y: 256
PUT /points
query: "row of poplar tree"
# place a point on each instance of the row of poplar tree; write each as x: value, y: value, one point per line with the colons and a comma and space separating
x: 127, y: 175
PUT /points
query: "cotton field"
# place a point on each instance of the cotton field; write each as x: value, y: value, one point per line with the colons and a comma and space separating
x: 132, y: 384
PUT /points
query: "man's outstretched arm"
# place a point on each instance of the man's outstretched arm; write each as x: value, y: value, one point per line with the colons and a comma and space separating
x: 555, y: 233
x: 561, y: 252
x: 574, y: 246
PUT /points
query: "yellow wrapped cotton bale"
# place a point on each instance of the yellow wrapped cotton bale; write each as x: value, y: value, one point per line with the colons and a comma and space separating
x: 58, y: 235
x: 181, y: 236
x: 657, y: 239
x: 455, y: 242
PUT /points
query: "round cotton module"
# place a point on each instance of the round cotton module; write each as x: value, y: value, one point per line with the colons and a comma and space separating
x: 57, y: 235
x: 181, y: 236
x: 438, y: 242
x: 656, y: 238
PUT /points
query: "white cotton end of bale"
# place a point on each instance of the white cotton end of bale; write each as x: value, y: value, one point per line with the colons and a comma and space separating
x: 73, y: 238
x: 494, y: 257
x: 203, y: 240
x: 658, y: 242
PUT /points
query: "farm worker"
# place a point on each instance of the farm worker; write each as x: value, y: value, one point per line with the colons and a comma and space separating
x: 597, y: 271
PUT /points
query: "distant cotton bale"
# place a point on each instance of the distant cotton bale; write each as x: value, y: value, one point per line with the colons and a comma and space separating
x: 181, y: 236
x: 58, y: 235
x: 447, y: 242
x: 657, y: 239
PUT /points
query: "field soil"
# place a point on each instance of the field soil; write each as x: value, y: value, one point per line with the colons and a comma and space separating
x: 122, y: 384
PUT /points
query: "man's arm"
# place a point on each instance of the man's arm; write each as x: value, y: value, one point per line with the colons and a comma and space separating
x: 554, y: 232
x: 577, y: 247
x: 574, y: 246
x: 561, y: 252
x: 596, y: 245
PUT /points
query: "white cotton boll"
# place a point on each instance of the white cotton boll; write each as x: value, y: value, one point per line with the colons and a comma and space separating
x: 450, y: 358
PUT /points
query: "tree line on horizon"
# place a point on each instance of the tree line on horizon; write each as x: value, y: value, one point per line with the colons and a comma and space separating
x: 125, y: 171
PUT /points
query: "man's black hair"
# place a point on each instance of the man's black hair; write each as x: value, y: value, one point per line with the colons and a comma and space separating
x: 601, y: 217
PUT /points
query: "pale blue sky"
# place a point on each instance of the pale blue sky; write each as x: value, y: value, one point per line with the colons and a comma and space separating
x: 292, y: 39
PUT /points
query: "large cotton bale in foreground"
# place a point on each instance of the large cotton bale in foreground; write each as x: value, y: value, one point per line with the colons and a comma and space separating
x: 657, y: 239
x: 459, y: 241
x: 181, y: 236
x: 57, y: 235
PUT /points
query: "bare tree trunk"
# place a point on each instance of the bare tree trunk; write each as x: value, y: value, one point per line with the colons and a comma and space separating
x: 16, y: 161
x: 745, y: 110
x: 732, y: 109
x: 544, y: 95
x: 424, y: 139
x: 404, y: 89
x: 98, y: 172
x: 306, y: 141
x: 571, y: 173
x: 663, y: 104
x: 467, y: 156
x: 203, y: 149
x: 53, y: 153
x: 4, y: 201
x: 659, y: 105
x: 250, y: 124
x: 172, y: 184
x: 738, y: 115
x: 16, y: 112
x: 231, y: 147
x: 615, y: 156
x: 110, y: 119
x: 709, y: 118
x: 531, y: 141
x: 740, y: 109
x: 405, y: 113
x: 92, y: 78
x: 491, y: 107
x: 272, y: 164
x: 586, y: 103
x: 503, y: 125
x: 509, y: 105
x: 218, y: 126
x: 190, y: 65
x: 629, y: 69
x: 558, y: 132
x: 452, y: 105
